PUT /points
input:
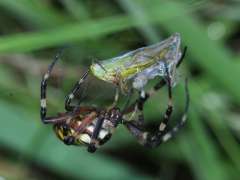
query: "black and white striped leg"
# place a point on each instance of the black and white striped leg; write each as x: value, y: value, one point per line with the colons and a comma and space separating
x: 152, y: 140
x: 145, y: 95
x: 92, y: 147
x: 75, y: 89
x: 115, y: 117
x: 139, y: 107
x: 43, y: 101
x: 136, y: 109
x: 163, y: 82
x: 182, y: 56
x: 169, y: 110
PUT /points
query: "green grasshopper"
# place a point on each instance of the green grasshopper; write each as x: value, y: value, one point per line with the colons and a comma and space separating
x: 141, y: 65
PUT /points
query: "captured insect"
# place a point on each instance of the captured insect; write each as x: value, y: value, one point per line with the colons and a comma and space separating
x: 94, y: 126
x: 142, y: 64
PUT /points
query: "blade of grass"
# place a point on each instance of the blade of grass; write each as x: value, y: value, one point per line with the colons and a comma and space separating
x: 26, y: 10
x: 75, y: 32
x: 209, y: 162
x: 77, y: 9
x: 138, y: 15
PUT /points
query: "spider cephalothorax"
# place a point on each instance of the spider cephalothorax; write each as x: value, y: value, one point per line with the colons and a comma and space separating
x: 92, y: 126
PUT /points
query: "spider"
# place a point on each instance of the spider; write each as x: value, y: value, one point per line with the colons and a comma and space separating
x: 92, y: 127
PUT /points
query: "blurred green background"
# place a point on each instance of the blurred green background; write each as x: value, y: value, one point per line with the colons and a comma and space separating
x: 32, y: 31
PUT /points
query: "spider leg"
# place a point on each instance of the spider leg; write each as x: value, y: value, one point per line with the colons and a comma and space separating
x: 169, y: 110
x: 92, y: 146
x: 144, y: 96
x: 155, y: 139
x: 56, y: 119
x: 73, y: 92
x: 182, y: 56
x: 114, y: 116
x: 161, y: 83
x: 137, y: 107
x: 43, y: 101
